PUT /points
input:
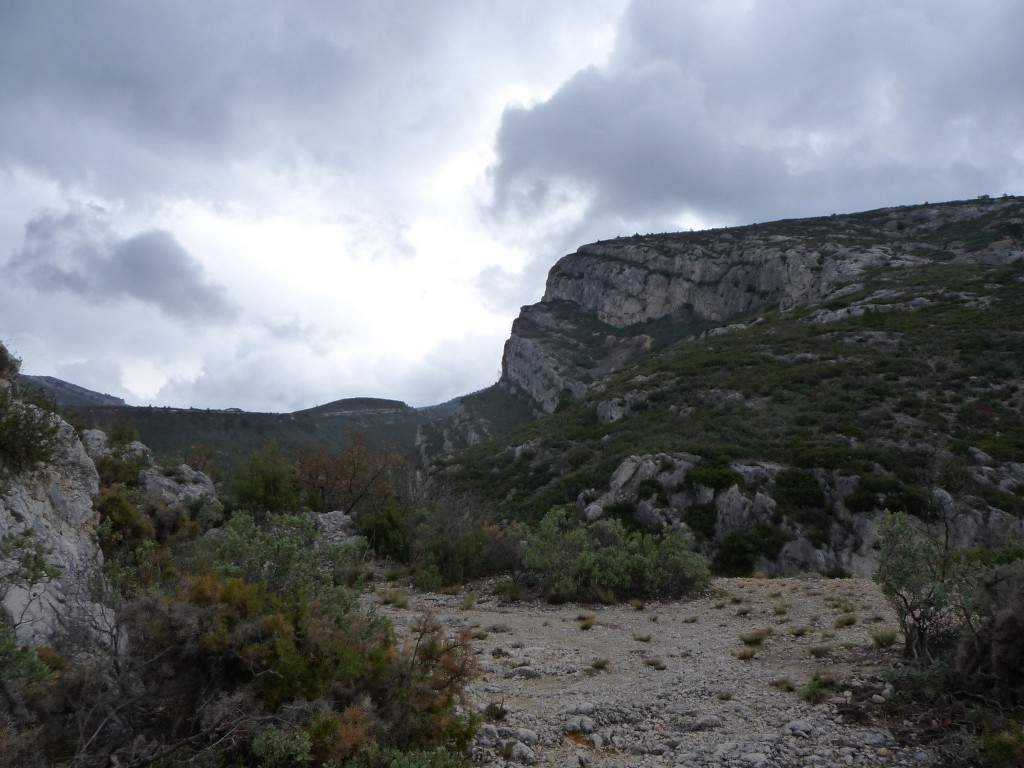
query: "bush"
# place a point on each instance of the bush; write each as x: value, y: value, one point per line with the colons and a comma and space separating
x: 714, y: 477
x: 121, y: 469
x: 702, y: 518
x: 264, y: 483
x: 798, y: 489
x: 927, y: 581
x: 990, y: 659
x: 260, y: 658
x: 739, y: 550
x: 28, y: 433
x: 603, y: 561
x: 454, y: 544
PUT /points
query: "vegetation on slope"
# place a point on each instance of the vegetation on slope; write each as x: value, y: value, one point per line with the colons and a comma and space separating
x: 932, y: 356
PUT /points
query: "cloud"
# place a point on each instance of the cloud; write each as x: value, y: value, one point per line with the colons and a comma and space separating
x: 745, y: 111
x: 79, y: 253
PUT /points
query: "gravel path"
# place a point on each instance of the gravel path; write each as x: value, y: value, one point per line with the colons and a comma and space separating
x: 666, y: 685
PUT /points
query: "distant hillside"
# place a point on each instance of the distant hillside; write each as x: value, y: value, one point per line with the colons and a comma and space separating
x: 64, y: 393
x: 229, y: 434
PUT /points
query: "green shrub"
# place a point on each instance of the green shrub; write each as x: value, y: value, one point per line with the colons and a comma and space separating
x: 28, y: 433
x: 125, y: 525
x: 927, y: 581
x: 458, y: 547
x: 714, y: 477
x: 264, y: 482
x: 573, y: 561
x: 121, y: 468
x: 738, y: 551
x: 990, y: 659
x: 387, y: 530
x: 797, y: 489
x: 701, y: 518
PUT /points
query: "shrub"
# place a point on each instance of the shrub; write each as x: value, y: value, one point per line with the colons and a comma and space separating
x: 121, y: 468
x: 574, y: 561
x: 715, y: 477
x: 263, y: 482
x: 125, y: 525
x: 701, y: 518
x: 797, y: 489
x: 9, y: 364
x: 927, y: 581
x: 739, y: 550
x: 28, y: 433
x: 455, y: 543
x: 990, y: 659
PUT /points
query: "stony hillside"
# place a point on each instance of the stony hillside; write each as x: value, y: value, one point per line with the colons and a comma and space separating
x: 773, y: 387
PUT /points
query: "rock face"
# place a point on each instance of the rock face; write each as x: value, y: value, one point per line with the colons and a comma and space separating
x: 55, y: 502
x: 598, y: 300
x: 848, y: 545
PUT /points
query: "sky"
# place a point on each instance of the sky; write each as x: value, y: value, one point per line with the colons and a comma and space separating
x: 272, y: 205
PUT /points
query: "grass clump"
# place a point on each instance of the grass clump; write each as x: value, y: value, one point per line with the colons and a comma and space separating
x: 820, y: 651
x: 819, y: 689
x: 756, y: 637
x: 398, y: 598
x: 884, y: 638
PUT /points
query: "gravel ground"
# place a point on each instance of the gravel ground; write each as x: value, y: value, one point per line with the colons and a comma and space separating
x: 666, y: 684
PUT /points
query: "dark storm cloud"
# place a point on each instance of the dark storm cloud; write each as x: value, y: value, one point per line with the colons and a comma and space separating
x: 746, y: 111
x: 78, y: 253
x: 133, y: 98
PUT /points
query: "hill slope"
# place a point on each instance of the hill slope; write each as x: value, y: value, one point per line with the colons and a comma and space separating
x: 790, y: 381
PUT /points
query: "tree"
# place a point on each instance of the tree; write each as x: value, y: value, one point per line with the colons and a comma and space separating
x: 351, y: 480
x: 264, y: 481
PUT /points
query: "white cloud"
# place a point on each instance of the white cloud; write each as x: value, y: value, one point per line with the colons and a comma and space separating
x: 351, y: 198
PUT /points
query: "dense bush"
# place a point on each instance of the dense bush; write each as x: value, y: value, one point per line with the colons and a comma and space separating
x: 264, y: 482
x: 121, y: 468
x: 28, y: 433
x: 571, y: 560
x: 739, y: 550
x: 711, y: 476
x: 990, y: 656
x: 246, y: 649
x: 961, y: 618
x: 797, y: 489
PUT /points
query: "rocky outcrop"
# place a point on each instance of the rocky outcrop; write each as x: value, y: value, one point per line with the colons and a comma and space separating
x: 599, y: 299
x: 55, y: 502
x: 662, y: 490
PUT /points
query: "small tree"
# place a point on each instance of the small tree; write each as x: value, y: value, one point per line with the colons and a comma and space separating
x: 264, y: 482
x: 927, y: 580
x: 350, y: 480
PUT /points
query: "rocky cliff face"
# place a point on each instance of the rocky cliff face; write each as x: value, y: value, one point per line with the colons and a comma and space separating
x: 55, y: 502
x: 600, y: 302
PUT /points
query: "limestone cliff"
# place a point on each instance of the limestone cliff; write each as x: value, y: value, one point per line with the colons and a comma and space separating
x: 603, y: 303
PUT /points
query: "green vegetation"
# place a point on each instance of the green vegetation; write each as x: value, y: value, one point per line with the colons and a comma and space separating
x: 228, y: 435
x: 603, y: 562
x: 867, y: 397
x: 231, y: 662
x: 28, y: 432
x: 959, y: 615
